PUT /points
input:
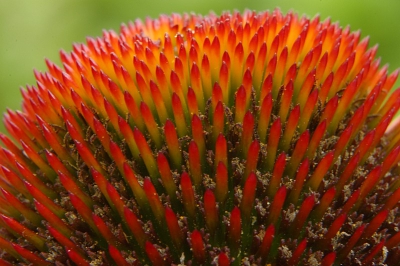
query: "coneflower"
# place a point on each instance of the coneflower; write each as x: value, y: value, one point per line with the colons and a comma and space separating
x: 240, y: 139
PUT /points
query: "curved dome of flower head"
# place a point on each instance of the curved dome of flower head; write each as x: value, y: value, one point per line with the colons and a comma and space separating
x: 244, y: 139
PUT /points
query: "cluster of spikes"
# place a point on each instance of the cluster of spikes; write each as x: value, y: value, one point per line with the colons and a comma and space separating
x: 240, y: 139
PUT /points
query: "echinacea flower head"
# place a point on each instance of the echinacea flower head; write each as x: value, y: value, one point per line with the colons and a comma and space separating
x: 241, y: 139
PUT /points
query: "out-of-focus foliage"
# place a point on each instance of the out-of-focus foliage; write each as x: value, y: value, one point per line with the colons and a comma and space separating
x: 33, y: 30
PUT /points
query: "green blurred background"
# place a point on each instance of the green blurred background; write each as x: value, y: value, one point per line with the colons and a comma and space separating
x: 36, y: 29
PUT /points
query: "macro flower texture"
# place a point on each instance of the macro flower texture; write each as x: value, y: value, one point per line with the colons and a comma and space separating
x: 254, y: 138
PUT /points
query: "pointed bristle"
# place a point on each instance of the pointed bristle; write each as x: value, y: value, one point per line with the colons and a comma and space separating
x: 255, y: 138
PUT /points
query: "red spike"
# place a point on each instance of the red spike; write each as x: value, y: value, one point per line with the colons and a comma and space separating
x: 264, y: 117
x: 102, y: 134
x: 375, y: 223
x: 370, y: 181
x: 351, y: 242
x: 136, y: 188
x: 74, y: 129
x: 326, y: 87
x: 223, y: 259
x: 392, y: 200
x: 154, y: 201
x: 146, y: 154
x: 333, y: 230
x: 153, y: 254
x: 134, y: 111
x: 298, y: 153
x: 195, y: 79
x: 221, y: 150
x: 273, y: 141
x: 330, y: 110
x: 276, y: 206
x: 144, y: 91
x: 179, y: 115
x: 349, y: 205
x: 247, y: 134
x: 195, y: 164
x: 188, y: 195
x: 198, y: 135
x: 64, y: 241
x: 298, y: 253
x: 306, y: 88
x: 321, y: 67
x: 53, y: 219
x: 43, y: 199
x: 174, y: 148
x: 290, y: 129
x: 247, y: 84
x: 308, y: 110
x: 37, y: 159
x: 192, y: 102
x: 31, y: 215
x: 299, y: 181
x: 329, y: 259
x: 347, y: 172
x: 127, y: 133
x: 343, y: 141
x: 266, y: 87
x: 365, y: 145
x: 378, y: 248
x: 11, y: 146
x: 323, y: 205
x: 71, y: 186
x: 240, y: 104
x: 315, y: 139
x: 218, y: 120
x: 266, y: 243
x: 135, y: 226
x: 275, y: 181
x: 221, y: 180
x: 235, y: 229
x: 87, y: 156
x: 118, y: 156
x: 21, y: 230
x: 320, y: 171
x: 224, y: 76
x: 117, y: 256
x: 210, y: 211
x: 116, y: 199
x: 286, y: 101
x: 206, y: 76
x: 237, y: 60
x: 151, y: 125
x: 198, y: 248
x: 15, y: 181
x: 7, y: 246
x: 304, y: 68
x: 302, y: 215
x: 252, y: 158
x: 174, y: 229
x: 291, y: 74
x: 76, y: 258
x: 105, y: 231
x: 393, y: 241
x: 30, y: 256
x: 83, y: 210
x: 250, y: 61
x: 249, y: 193
x: 343, y: 106
x: 357, y: 120
x: 166, y: 176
